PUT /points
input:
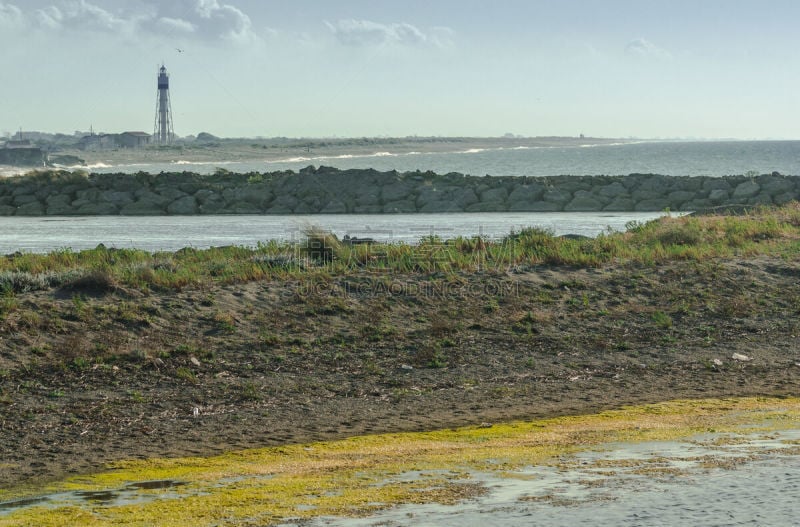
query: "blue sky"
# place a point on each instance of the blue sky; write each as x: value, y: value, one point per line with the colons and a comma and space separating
x: 611, y: 68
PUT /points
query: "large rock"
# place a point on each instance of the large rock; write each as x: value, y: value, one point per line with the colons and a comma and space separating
x: 536, y: 206
x: 620, y: 204
x: 679, y: 197
x: 760, y: 199
x: 59, y: 205
x: 585, y: 201
x: 782, y: 199
x: 256, y: 195
x: 745, y: 190
x: 283, y: 202
x: 170, y: 193
x: 143, y: 207
x: 444, y: 205
x: 463, y: 198
x: 184, y: 206
x: 495, y: 195
x: 367, y: 209
x: 279, y: 208
x: 213, y: 205
x: 242, y: 207
x: 613, y: 190
x: 713, y: 183
x: 696, y: 205
x: 88, y: 195
x: 487, y: 206
x: 648, y: 194
x: 718, y: 195
x: 116, y: 196
x: 397, y: 191
x: 526, y: 193
x: 656, y: 183
x: 25, y: 199
x: 97, y: 209
x: 145, y: 198
x: 334, y: 207
x: 33, y: 208
x: 777, y: 185
x: 558, y: 196
x: 125, y: 184
x: 405, y: 205
x: 652, y: 205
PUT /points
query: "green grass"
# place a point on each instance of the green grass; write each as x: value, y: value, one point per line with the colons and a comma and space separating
x: 761, y: 231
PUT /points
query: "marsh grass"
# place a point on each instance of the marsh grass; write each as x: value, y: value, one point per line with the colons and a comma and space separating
x: 761, y: 231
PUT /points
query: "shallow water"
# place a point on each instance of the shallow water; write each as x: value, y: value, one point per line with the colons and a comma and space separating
x: 169, y: 233
x: 714, y: 480
x: 748, y: 475
x: 130, y: 494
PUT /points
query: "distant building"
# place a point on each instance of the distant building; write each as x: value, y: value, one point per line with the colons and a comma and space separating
x: 111, y: 141
x: 134, y: 139
x: 19, y: 143
x: 96, y: 142
x: 22, y: 153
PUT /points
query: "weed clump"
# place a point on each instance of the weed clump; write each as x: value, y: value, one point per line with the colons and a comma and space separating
x: 322, y: 246
x: 98, y: 282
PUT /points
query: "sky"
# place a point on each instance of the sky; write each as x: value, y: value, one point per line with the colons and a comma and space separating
x: 351, y: 68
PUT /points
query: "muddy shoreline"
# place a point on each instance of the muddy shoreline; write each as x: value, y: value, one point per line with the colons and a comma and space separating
x: 128, y: 374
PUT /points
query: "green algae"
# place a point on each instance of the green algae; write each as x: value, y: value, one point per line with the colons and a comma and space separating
x: 361, y: 475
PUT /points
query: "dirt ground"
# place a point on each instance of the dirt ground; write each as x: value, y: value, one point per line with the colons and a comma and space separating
x: 90, y: 377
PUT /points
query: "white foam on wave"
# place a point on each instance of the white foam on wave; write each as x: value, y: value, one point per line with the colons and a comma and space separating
x: 13, y: 171
x: 327, y: 158
x: 81, y: 167
x: 622, y: 143
x: 215, y: 163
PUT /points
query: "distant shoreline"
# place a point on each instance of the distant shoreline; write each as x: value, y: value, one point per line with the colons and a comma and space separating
x: 240, y: 150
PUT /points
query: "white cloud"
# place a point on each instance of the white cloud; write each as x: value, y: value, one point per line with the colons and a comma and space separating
x: 10, y: 16
x: 353, y: 32
x: 442, y: 37
x: 221, y: 20
x: 643, y: 48
x: 202, y: 19
x: 176, y: 25
x: 81, y: 15
x: 50, y: 17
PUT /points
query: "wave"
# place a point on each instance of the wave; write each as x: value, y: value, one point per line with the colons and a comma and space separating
x: 13, y: 171
x: 473, y: 151
x: 325, y: 158
x: 621, y: 143
x: 215, y: 163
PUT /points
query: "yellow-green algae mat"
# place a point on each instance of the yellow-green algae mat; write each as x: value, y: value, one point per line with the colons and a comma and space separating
x: 357, y: 476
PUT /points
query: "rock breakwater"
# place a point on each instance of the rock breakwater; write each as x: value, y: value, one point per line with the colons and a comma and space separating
x: 327, y: 190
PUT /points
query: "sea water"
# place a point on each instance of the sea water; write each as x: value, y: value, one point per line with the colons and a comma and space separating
x: 705, y: 158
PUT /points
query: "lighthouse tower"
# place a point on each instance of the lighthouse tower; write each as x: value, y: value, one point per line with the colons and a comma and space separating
x: 163, y: 132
